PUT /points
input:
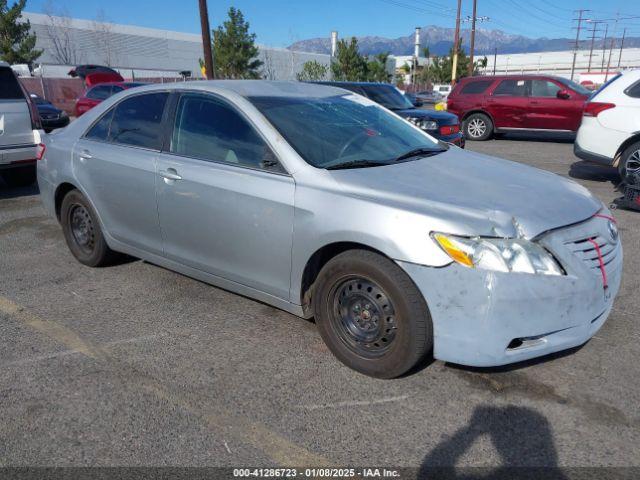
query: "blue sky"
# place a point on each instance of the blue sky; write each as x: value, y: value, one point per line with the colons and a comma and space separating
x: 281, y: 22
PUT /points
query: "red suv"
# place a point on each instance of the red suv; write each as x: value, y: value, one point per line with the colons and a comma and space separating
x: 499, y: 104
x: 101, y: 86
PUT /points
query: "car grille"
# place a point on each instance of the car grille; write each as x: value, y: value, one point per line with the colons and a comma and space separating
x: 586, y: 251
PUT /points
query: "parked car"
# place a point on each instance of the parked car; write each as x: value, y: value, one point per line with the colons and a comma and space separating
x: 83, y: 70
x: 324, y: 204
x: 507, y: 103
x: 19, y: 135
x: 610, y: 129
x: 442, y: 125
x: 413, y: 99
x: 51, y: 116
x: 443, y: 89
x: 430, y: 96
x: 100, y: 92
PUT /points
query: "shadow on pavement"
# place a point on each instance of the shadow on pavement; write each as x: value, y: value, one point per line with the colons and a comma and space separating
x: 555, y: 137
x: 521, y: 436
x: 591, y: 171
x: 14, y: 192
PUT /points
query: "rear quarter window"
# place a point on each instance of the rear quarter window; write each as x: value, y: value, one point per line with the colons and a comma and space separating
x: 9, y: 87
x: 634, y: 90
x: 475, y: 87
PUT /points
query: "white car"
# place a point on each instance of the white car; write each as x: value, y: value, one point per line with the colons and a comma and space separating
x: 444, y: 90
x: 610, y: 129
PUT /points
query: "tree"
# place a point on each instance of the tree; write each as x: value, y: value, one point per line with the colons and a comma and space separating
x: 234, y: 51
x: 17, y: 45
x: 312, y: 71
x: 349, y: 65
x: 59, y: 30
x: 377, y: 68
x: 440, y: 68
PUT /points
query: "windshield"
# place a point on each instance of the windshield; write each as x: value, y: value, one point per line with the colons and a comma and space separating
x: 344, y: 129
x: 576, y: 87
x: 387, y: 96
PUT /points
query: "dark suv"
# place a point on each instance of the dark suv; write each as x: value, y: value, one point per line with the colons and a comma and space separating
x: 441, y: 125
x: 497, y: 104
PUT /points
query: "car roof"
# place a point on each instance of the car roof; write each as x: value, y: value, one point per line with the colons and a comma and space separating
x: 253, y: 88
x: 528, y: 76
x: 3, y: 63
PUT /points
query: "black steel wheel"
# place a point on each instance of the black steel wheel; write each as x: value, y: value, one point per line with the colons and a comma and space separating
x: 371, y: 315
x: 82, y: 231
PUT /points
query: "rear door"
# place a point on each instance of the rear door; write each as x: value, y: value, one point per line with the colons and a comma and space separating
x: 115, y: 162
x: 508, y: 104
x: 548, y: 112
x: 225, y: 204
x: 15, y: 120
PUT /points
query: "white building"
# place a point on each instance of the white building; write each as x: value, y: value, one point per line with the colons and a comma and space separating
x: 139, y: 51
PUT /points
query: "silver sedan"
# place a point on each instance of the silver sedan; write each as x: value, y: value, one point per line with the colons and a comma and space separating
x: 324, y: 204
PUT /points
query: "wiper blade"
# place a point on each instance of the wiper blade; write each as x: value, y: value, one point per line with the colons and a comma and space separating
x: 356, y: 164
x: 423, y: 152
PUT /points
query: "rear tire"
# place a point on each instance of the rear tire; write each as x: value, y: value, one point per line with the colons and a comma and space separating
x: 630, y: 159
x: 477, y: 127
x: 82, y: 231
x: 371, y: 315
x: 20, y: 176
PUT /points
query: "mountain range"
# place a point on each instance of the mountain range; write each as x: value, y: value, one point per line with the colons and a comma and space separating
x: 440, y: 40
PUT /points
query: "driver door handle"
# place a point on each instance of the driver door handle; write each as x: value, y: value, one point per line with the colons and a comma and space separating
x: 170, y: 174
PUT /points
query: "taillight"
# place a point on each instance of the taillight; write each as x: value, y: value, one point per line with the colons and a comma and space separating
x: 593, y: 109
x: 36, y: 122
x: 40, y: 149
x: 449, y: 129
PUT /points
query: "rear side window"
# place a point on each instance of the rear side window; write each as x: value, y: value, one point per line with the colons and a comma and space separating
x: 207, y: 129
x: 137, y: 121
x: 513, y: 88
x: 476, y: 87
x: 100, y: 93
x: 633, y: 90
x: 9, y: 87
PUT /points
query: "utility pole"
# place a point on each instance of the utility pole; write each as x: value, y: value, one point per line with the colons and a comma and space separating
x: 575, y: 47
x: 206, y: 39
x: 473, y: 37
x: 495, y: 58
x: 624, y: 34
x: 606, y: 74
x: 456, y: 40
x: 593, y: 40
x: 604, y: 45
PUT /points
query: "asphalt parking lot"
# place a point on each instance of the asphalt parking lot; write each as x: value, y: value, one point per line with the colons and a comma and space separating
x: 137, y: 365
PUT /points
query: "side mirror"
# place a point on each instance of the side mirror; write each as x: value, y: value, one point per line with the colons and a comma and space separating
x: 563, y: 94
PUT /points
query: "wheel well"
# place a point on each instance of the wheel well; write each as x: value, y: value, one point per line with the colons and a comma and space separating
x: 471, y: 112
x: 633, y: 139
x: 318, y: 260
x: 61, y: 192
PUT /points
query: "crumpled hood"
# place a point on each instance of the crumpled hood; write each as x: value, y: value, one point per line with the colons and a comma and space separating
x: 475, y: 194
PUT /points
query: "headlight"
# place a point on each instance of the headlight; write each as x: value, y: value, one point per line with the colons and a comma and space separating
x: 498, y: 254
x: 424, y: 124
x: 63, y: 114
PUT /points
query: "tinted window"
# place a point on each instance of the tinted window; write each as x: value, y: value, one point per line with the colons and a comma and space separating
x: 387, y: 96
x: 115, y: 89
x: 476, y: 87
x: 514, y: 88
x: 208, y: 129
x: 9, y: 87
x: 137, y: 121
x: 633, y: 90
x: 329, y: 131
x: 100, y: 129
x: 576, y: 87
x: 544, y: 88
x: 101, y: 92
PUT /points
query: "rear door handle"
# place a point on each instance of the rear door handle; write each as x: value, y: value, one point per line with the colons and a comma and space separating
x: 85, y: 155
x: 170, y: 174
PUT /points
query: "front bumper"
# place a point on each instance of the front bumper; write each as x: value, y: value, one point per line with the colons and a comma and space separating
x: 483, y: 318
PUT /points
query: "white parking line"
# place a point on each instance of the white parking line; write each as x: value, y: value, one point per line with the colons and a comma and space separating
x: 355, y: 403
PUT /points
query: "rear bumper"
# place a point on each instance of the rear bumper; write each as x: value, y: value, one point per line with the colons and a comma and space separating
x: 18, y: 156
x: 579, y: 152
x: 483, y: 318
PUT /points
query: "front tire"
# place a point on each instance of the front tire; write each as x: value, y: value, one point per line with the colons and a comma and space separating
x: 478, y: 127
x: 371, y: 315
x: 82, y: 231
x: 20, y: 176
x: 629, y: 160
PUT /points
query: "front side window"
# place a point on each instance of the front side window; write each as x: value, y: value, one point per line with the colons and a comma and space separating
x: 208, y: 129
x: 544, y: 88
x: 137, y: 121
x: 512, y: 88
x: 100, y: 93
x: 342, y: 130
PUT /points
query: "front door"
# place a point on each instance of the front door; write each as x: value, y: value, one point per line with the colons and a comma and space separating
x: 508, y: 103
x: 225, y: 204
